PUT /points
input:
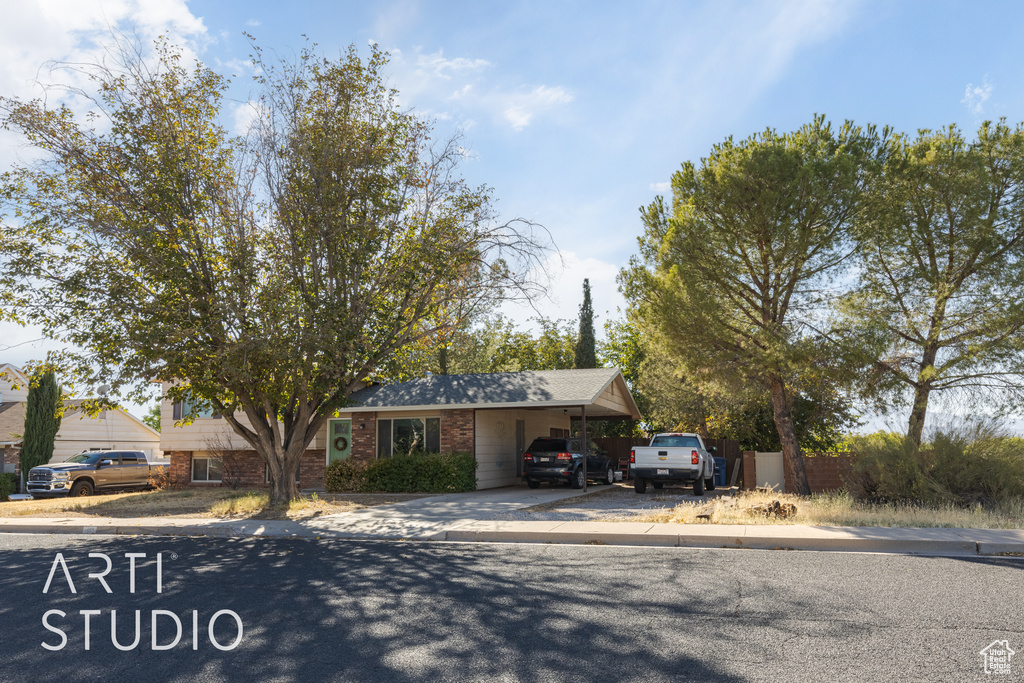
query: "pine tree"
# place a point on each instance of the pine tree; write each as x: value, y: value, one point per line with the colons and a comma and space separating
x: 42, y: 420
x: 586, y: 351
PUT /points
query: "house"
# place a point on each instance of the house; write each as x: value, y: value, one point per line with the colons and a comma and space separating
x: 111, y: 429
x: 494, y: 416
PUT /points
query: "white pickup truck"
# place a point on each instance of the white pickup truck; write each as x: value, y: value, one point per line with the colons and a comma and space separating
x: 671, y: 458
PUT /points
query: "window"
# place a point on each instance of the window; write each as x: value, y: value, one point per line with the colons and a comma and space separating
x: 183, y: 408
x: 206, y: 469
x: 675, y: 441
x: 129, y: 458
x: 405, y: 436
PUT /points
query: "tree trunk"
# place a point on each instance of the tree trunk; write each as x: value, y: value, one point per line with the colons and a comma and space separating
x: 282, y: 477
x: 915, y: 427
x: 792, y: 459
x: 922, y: 390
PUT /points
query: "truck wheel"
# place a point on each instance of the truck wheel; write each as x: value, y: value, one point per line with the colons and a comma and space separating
x: 640, y: 485
x: 709, y: 484
x: 577, y: 479
x: 698, y: 485
x: 533, y: 483
x: 658, y: 485
x: 81, y: 488
x: 609, y: 476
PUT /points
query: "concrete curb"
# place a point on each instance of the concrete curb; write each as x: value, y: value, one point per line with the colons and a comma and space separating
x: 929, y: 541
x: 217, y: 529
x: 668, y: 539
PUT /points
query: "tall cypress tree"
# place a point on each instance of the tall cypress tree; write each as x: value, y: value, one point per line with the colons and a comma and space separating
x: 42, y: 420
x: 586, y: 349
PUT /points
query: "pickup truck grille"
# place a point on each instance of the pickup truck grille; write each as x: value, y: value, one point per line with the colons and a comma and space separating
x: 40, y: 475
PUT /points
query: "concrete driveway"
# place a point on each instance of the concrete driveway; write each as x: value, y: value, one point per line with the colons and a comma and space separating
x: 425, y: 518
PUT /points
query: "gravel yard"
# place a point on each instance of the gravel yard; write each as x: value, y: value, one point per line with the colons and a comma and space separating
x: 616, y: 503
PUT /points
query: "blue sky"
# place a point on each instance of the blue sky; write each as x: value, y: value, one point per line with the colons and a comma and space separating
x: 577, y: 113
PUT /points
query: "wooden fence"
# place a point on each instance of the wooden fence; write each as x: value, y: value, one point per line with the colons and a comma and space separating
x: 618, y: 449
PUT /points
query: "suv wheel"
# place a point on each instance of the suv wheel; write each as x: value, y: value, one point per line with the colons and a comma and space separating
x: 533, y: 483
x: 577, y: 479
x: 609, y: 477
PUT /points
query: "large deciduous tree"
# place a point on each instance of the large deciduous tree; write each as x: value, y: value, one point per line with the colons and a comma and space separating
x: 267, y: 276
x: 942, y: 269
x: 734, y: 276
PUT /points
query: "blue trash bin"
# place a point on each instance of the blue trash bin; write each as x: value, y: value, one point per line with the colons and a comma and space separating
x: 719, y: 472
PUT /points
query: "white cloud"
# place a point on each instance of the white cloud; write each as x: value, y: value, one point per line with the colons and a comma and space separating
x: 527, y: 105
x: 253, y: 23
x: 661, y: 188
x: 975, y: 96
x: 463, y: 89
x: 243, y: 115
x: 436, y: 65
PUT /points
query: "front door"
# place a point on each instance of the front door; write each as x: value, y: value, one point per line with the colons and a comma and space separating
x: 339, y: 439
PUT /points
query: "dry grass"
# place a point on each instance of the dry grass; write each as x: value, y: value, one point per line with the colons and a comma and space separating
x: 839, y: 509
x: 214, y: 503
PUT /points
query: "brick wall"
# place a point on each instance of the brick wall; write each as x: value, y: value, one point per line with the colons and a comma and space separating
x: 246, y: 469
x: 311, y: 468
x: 824, y: 473
x: 458, y: 432
x: 9, y: 456
x: 180, y: 470
x: 364, y: 436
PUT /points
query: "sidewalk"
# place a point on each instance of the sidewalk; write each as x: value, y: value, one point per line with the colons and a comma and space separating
x: 462, y: 518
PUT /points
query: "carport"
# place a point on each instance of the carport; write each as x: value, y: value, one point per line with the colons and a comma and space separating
x: 497, y: 415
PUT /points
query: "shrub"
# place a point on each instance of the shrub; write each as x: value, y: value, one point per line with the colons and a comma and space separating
x: 8, y: 485
x: 346, y: 476
x: 416, y: 473
x: 886, y: 470
x: 958, y: 466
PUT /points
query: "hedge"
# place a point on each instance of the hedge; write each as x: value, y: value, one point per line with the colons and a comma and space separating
x: 416, y: 473
x: 8, y: 485
x: 959, y: 466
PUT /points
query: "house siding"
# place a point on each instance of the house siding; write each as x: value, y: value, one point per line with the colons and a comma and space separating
x: 117, y: 431
x: 7, y: 393
x: 495, y: 442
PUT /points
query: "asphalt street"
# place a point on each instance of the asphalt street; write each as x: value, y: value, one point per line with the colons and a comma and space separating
x: 418, y: 611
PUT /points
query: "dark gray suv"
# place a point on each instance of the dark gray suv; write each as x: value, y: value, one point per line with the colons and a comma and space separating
x: 560, y: 459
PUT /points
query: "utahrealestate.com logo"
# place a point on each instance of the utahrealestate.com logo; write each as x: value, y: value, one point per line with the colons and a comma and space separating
x: 997, y: 657
x: 162, y: 622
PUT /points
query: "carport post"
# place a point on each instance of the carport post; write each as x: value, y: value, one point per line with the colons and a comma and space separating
x: 583, y: 436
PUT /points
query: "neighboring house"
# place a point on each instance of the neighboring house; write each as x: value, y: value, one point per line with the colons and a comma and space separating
x: 111, y: 429
x: 494, y: 416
